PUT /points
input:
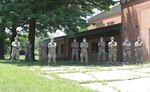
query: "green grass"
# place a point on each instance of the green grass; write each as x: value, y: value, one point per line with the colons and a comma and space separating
x: 19, y: 78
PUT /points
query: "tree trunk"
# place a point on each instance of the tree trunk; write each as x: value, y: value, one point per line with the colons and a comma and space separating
x: 2, y: 37
x: 14, y: 34
x: 31, y: 36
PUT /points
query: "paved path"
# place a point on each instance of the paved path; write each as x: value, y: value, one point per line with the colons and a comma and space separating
x: 115, y: 80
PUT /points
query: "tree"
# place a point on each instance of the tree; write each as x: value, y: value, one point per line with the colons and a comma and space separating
x: 2, y: 37
x: 69, y: 15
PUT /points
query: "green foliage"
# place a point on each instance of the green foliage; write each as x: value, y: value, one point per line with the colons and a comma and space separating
x: 51, y: 14
x: 23, y: 40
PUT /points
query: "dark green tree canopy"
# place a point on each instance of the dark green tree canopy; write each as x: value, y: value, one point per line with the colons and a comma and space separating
x: 51, y: 14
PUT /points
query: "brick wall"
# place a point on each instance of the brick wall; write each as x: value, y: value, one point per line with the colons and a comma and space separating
x: 135, y: 19
x: 116, y: 18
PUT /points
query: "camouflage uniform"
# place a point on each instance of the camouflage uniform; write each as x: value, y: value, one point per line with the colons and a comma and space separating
x: 126, y: 50
x: 101, y: 50
x: 41, y: 51
x: 112, y: 50
x: 15, y: 50
x: 52, y: 52
x: 84, y: 53
x: 138, y: 50
x: 28, y: 51
x: 74, y: 46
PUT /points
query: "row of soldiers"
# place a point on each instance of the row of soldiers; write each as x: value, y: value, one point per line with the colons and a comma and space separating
x: 84, y: 50
x: 112, y: 45
x: 15, y: 50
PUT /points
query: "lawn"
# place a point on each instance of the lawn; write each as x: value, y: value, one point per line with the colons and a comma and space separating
x: 21, y: 78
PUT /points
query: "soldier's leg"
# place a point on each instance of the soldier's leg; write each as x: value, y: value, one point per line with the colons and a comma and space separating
x: 114, y: 56
x: 17, y: 56
x: 129, y: 56
x: 98, y: 57
x: 103, y: 56
x: 54, y: 58
x: 136, y: 56
x: 72, y: 56
x: 12, y: 56
x: 86, y: 58
x: 77, y: 56
x: 124, y: 56
x: 140, y: 57
x: 49, y: 58
x: 110, y: 57
x: 81, y: 57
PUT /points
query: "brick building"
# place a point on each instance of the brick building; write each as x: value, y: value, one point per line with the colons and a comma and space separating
x: 135, y: 22
x: 106, y: 18
x: 130, y: 19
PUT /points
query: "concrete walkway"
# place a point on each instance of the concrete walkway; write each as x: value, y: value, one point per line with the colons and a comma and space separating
x: 129, y: 80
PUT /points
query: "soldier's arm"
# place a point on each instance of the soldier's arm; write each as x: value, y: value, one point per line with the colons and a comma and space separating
x: 12, y: 44
x: 141, y: 43
x: 135, y: 44
x: 116, y: 44
x: 123, y: 44
x: 129, y: 44
x: 109, y: 44
x: 48, y: 45
x: 55, y: 44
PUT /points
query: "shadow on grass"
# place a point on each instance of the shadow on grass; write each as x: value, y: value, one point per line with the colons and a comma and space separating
x: 20, y: 63
x: 60, y: 63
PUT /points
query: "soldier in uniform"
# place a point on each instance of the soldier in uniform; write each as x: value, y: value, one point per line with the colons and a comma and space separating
x: 41, y: 51
x: 101, y: 50
x: 112, y: 50
x: 126, y: 50
x: 52, y: 51
x: 28, y: 51
x: 84, y: 53
x: 138, y: 49
x: 74, y: 46
x: 15, y: 50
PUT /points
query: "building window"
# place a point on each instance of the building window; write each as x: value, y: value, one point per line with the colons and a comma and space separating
x: 110, y: 23
x: 128, y: 0
x: 62, y: 49
x: 125, y: 1
x: 94, y: 47
x: 122, y: 1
